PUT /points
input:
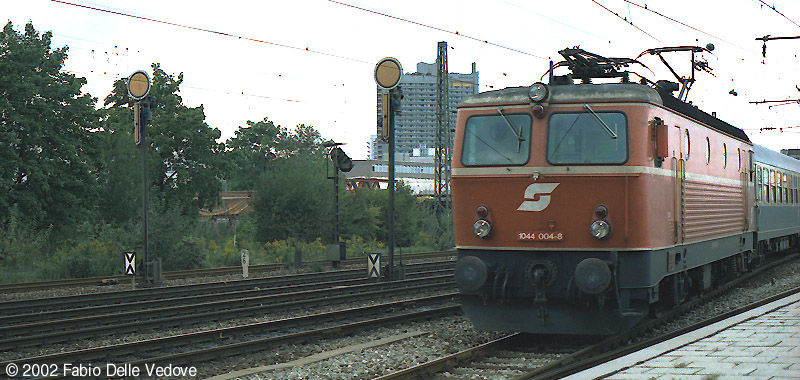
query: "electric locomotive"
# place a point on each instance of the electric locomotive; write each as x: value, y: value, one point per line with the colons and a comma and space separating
x: 581, y: 208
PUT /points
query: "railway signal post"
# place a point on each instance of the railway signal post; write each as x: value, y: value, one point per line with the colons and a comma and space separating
x: 388, y: 72
x: 138, y: 89
x: 341, y: 162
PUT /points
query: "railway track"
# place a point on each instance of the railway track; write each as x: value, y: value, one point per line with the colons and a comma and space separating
x: 29, y: 310
x: 22, y: 331
x: 522, y: 360
x: 209, y: 272
x: 17, y: 337
x: 193, y: 348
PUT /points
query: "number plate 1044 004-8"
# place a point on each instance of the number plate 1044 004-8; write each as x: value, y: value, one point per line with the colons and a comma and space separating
x: 540, y: 236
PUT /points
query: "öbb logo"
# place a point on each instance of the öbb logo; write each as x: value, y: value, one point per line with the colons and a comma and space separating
x: 537, y: 196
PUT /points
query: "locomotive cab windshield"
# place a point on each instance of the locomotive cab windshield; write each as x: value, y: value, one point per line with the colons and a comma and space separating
x: 586, y: 138
x: 498, y: 139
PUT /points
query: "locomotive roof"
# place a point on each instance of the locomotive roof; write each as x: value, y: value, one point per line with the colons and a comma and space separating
x: 625, y: 92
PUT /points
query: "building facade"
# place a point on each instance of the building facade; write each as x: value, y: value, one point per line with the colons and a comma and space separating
x: 415, y: 125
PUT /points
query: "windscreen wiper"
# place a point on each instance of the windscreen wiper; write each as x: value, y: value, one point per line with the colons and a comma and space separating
x: 597, y: 118
x: 520, y: 139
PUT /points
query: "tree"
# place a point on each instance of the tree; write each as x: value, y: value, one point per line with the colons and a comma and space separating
x: 120, y: 168
x: 365, y: 213
x: 46, y: 130
x: 185, y: 167
x: 185, y: 163
x: 292, y: 200
x: 249, y: 153
x: 287, y: 170
x: 252, y: 149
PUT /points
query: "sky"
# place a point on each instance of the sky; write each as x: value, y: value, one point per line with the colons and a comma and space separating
x: 312, y: 61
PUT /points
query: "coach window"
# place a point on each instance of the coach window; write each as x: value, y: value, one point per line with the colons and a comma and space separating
x: 768, y: 193
x: 795, y: 189
x: 768, y: 183
x: 781, y: 188
x: 766, y: 197
x: 767, y: 186
x: 785, y: 186
x: 773, y: 186
x: 759, y: 186
x: 499, y: 139
x: 770, y: 186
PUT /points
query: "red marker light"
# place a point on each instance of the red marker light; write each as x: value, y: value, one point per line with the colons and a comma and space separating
x: 538, y: 111
x: 482, y: 211
x: 601, y: 211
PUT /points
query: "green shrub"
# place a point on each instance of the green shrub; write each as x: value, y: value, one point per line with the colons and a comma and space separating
x: 218, y: 256
x: 185, y: 254
x: 88, y: 259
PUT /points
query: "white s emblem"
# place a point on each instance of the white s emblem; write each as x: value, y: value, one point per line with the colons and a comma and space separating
x: 543, y: 190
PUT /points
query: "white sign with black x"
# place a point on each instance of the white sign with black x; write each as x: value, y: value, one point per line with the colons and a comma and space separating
x: 130, y: 263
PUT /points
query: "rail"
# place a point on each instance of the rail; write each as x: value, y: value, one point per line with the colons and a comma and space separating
x: 173, y: 275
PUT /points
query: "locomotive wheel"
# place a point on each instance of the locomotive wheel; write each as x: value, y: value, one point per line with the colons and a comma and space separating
x: 656, y: 309
x: 682, y: 286
x: 673, y: 291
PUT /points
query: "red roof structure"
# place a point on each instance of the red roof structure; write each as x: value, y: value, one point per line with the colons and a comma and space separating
x: 233, y: 203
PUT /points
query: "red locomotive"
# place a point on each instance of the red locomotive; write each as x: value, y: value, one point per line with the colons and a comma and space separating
x: 582, y: 208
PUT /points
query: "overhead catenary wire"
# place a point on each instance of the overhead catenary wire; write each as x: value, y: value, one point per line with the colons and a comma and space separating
x: 628, y: 22
x: 687, y: 25
x: 116, y: 75
x: 456, y: 33
x: 645, y: 7
x: 118, y: 13
x: 778, y: 12
x: 779, y: 129
x: 555, y: 20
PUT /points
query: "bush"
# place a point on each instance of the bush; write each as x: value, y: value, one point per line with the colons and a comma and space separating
x: 21, y: 247
x: 283, y: 251
x: 217, y: 256
x: 170, y: 238
x: 358, y: 247
x: 293, y: 201
x: 88, y: 259
x: 185, y: 254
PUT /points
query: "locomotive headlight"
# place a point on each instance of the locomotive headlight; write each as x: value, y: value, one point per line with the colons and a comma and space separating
x: 600, y: 229
x: 538, y: 92
x: 482, y: 228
